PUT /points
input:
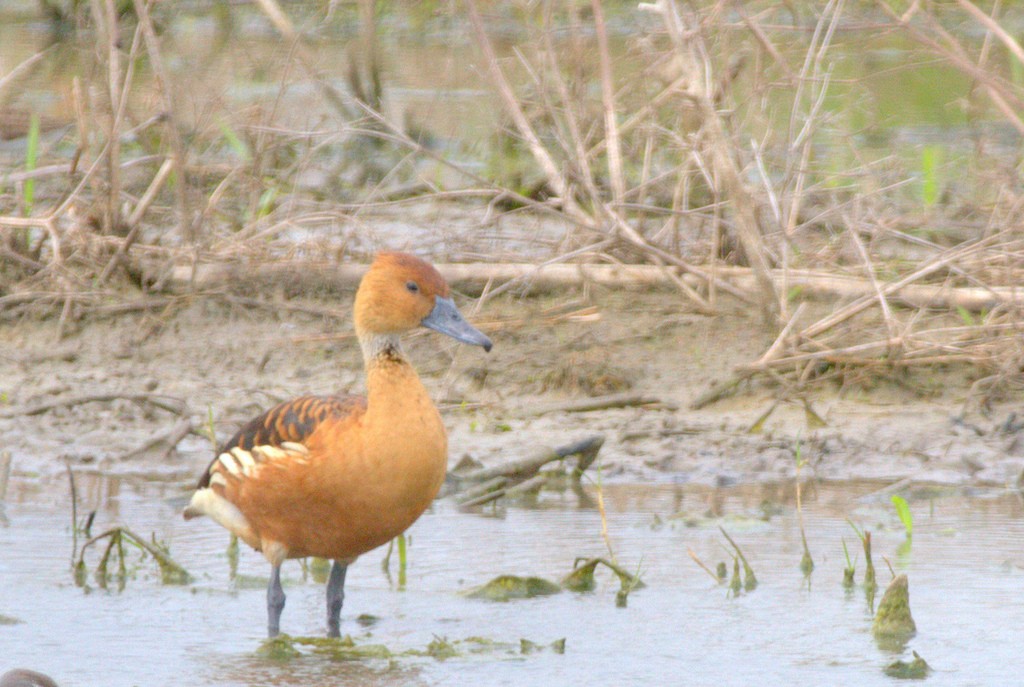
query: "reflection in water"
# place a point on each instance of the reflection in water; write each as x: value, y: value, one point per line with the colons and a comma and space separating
x: 882, y: 86
x: 963, y: 566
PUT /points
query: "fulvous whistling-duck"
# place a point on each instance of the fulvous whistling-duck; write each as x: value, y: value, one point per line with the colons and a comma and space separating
x: 25, y: 678
x: 337, y: 476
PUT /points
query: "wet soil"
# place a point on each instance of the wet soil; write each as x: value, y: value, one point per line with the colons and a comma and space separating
x: 226, y: 361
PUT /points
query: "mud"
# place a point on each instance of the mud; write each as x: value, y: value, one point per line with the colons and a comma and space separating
x: 225, y: 362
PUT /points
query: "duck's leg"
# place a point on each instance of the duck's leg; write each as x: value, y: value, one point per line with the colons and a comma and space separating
x: 335, y: 598
x: 275, y: 602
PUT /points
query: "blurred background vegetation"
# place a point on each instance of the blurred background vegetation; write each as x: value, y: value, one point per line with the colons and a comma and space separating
x: 755, y: 155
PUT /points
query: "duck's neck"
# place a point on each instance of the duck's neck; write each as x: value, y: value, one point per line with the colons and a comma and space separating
x: 380, y: 346
x: 394, y: 391
x: 404, y: 435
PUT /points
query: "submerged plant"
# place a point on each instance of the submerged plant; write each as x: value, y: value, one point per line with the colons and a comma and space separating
x: 232, y: 555
x: 870, y: 581
x: 850, y: 570
x: 720, y: 573
x: 806, y: 562
x: 749, y: 579
x: 286, y: 648
x: 528, y: 647
x: 894, y: 625
x: 319, y: 569
x: 403, y: 560
x: 441, y: 649
x: 627, y: 584
x: 399, y: 543
x: 508, y: 587
x: 581, y: 579
x: 918, y: 669
x: 170, y: 571
x: 735, y: 585
x: 903, y: 511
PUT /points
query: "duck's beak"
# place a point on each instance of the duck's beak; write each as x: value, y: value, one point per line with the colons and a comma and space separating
x: 447, y: 319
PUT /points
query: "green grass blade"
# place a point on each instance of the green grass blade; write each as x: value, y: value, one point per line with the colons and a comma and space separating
x: 402, y: 561
x: 903, y: 511
x: 31, y: 156
x: 931, y: 158
x: 234, y: 142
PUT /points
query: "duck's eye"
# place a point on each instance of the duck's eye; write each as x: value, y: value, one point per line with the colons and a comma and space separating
x: 412, y: 286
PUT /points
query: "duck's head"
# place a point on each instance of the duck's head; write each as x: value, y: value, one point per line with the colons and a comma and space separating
x: 401, y: 292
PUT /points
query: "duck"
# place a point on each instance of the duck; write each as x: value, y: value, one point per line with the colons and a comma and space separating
x: 336, y: 476
x: 19, y: 677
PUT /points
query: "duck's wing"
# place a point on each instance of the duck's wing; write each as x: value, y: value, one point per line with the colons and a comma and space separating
x: 285, y: 426
x: 276, y: 438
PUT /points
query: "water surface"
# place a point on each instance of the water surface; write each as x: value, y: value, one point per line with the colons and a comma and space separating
x: 964, y: 566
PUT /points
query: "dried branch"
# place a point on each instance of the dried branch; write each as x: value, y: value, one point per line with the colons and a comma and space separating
x: 168, y: 403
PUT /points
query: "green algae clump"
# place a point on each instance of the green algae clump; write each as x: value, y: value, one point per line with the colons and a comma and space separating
x: 508, y: 587
x: 279, y: 648
x: 894, y: 625
x: 581, y: 579
x: 918, y: 669
x: 285, y: 648
x: 528, y: 647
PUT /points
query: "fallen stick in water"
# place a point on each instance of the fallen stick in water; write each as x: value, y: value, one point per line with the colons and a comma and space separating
x: 520, y: 476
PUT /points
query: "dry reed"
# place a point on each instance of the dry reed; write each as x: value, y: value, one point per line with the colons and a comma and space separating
x: 670, y: 160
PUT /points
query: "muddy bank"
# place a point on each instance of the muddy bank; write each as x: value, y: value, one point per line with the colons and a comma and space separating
x: 216, y: 361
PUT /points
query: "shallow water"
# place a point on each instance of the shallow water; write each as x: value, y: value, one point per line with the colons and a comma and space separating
x: 964, y: 566
x: 888, y: 89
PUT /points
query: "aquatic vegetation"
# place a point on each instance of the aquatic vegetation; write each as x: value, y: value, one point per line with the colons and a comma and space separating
x: 749, y: 579
x: 400, y: 543
x: 279, y: 648
x: 850, y: 570
x: 367, y: 619
x: 894, y: 625
x: 917, y: 669
x: 581, y: 579
x: 903, y: 511
x: 628, y: 584
x: 232, y: 556
x: 170, y: 571
x: 508, y: 587
x: 318, y: 568
x: 806, y: 562
x: 718, y: 575
x: 870, y: 581
x: 288, y: 648
x: 735, y: 585
x: 440, y: 648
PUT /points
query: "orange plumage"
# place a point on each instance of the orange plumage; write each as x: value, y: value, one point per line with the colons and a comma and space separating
x: 336, y: 476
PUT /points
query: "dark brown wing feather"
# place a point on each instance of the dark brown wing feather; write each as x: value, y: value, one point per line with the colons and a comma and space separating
x: 292, y: 420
